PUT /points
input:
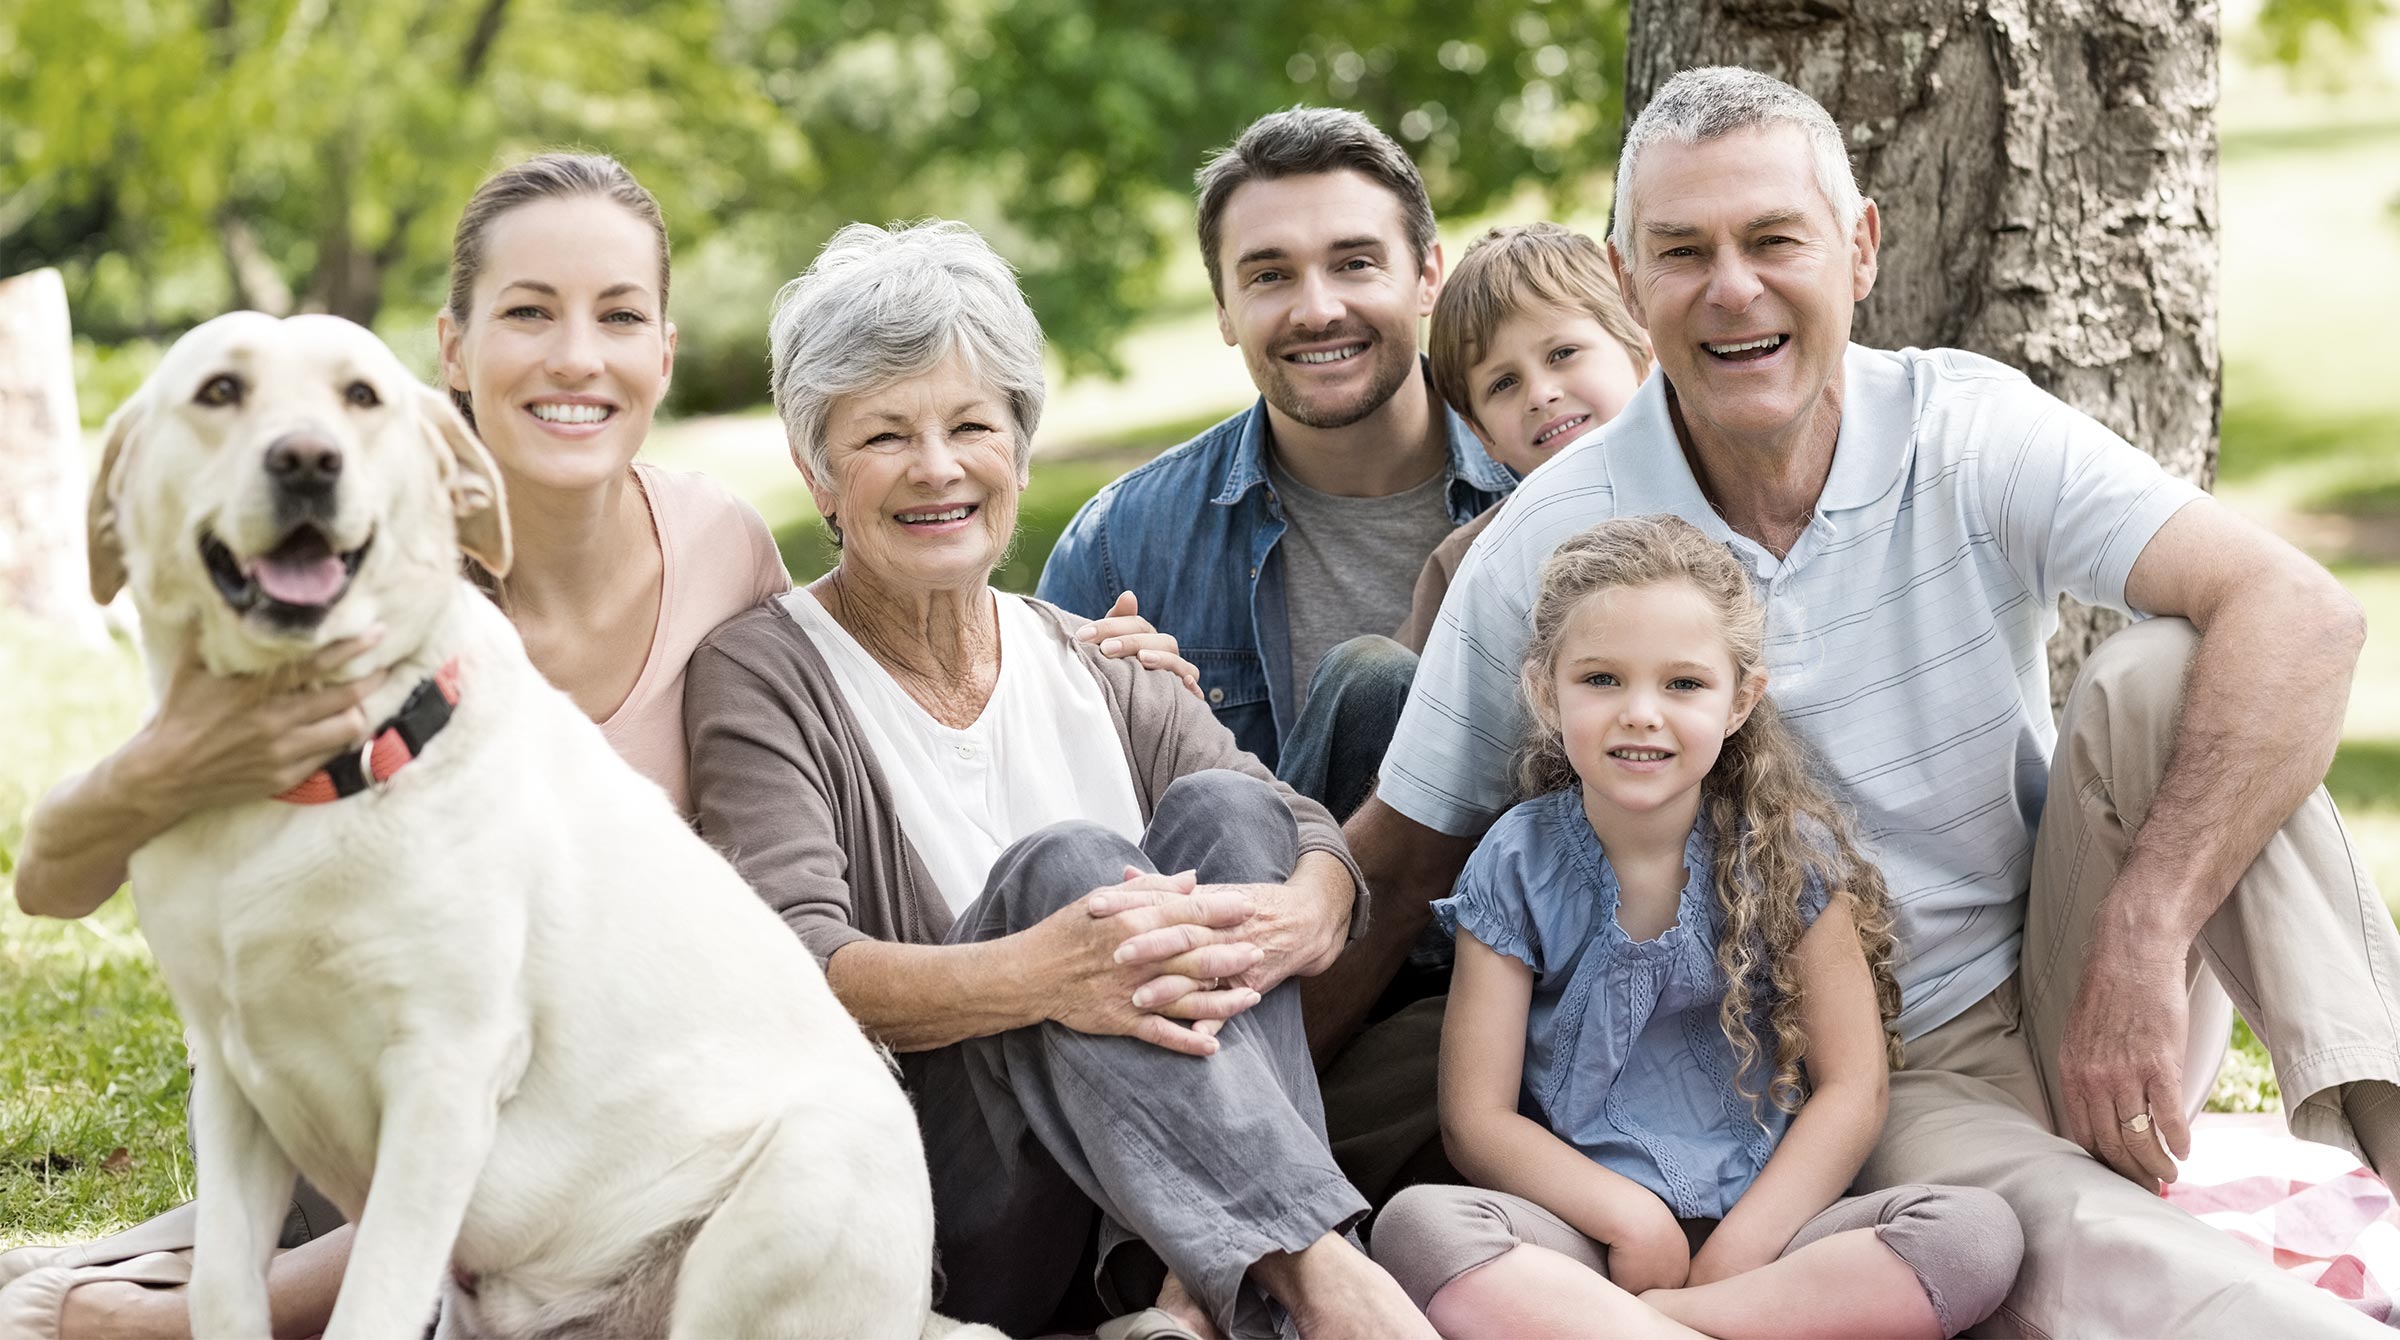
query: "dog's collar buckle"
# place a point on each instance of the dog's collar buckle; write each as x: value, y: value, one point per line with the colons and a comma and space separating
x: 388, y: 748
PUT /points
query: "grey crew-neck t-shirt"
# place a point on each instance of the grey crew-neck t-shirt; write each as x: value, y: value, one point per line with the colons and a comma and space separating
x: 1350, y: 564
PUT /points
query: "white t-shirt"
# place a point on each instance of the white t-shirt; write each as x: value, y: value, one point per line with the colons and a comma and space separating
x: 1905, y: 630
x: 1045, y: 748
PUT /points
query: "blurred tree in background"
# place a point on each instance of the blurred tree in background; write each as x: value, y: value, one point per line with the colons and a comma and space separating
x: 178, y: 157
x: 175, y: 158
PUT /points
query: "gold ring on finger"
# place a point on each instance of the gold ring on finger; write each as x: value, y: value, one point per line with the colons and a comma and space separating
x: 2138, y: 1123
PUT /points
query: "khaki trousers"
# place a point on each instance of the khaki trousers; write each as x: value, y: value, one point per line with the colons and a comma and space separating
x: 2303, y: 946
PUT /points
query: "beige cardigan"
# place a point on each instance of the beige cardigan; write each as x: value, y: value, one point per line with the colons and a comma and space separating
x: 785, y: 787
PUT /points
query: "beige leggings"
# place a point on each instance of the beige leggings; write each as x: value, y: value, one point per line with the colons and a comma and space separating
x: 1962, y: 1242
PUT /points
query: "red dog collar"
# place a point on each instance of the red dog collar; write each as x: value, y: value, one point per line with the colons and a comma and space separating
x: 392, y: 747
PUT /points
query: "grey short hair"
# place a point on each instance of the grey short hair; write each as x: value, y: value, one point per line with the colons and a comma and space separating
x: 1716, y: 100
x: 879, y: 306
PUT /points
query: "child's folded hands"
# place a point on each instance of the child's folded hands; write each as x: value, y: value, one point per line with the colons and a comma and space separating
x: 1647, y: 1248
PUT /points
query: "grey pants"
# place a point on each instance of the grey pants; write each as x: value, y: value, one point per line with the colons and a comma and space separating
x: 1041, y: 1136
x: 1963, y: 1242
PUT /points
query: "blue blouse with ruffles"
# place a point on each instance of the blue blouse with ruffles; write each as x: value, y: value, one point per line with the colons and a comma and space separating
x: 1624, y: 1056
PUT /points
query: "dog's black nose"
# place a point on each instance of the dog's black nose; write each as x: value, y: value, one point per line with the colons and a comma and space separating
x: 303, y: 461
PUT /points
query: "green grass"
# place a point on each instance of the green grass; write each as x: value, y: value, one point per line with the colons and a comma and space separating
x: 2366, y: 777
x: 91, y: 1054
x: 92, y: 1080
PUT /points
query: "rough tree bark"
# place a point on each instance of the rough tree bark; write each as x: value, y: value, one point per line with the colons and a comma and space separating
x: 41, y: 458
x: 2047, y: 176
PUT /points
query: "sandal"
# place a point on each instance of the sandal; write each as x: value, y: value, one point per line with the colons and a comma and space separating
x: 31, y: 1305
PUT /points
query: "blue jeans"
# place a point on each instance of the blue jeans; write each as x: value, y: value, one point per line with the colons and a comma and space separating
x: 1354, y: 700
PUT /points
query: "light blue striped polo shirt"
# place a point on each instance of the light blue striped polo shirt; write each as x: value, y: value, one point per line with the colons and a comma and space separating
x: 1905, y: 629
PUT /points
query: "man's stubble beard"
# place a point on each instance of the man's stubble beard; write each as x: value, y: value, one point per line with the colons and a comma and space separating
x: 1391, y: 374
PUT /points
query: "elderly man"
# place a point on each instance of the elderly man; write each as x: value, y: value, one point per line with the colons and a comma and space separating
x: 1911, y: 519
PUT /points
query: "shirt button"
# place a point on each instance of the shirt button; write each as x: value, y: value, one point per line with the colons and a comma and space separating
x: 1254, y: 574
x: 966, y: 751
x: 1216, y: 695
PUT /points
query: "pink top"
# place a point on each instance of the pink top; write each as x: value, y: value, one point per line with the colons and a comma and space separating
x: 719, y: 560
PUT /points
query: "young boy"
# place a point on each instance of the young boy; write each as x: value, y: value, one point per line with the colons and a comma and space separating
x: 1533, y: 348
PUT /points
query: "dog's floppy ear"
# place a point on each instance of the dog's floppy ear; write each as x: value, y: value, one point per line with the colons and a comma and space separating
x: 471, y: 478
x: 103, y: 547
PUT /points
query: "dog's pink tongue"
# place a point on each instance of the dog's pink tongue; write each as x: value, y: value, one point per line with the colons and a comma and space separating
x: 301, y: 571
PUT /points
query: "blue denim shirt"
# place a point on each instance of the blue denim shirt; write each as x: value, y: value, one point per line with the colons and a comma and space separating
x: 1193, y: 534
x: 1624, y: 1056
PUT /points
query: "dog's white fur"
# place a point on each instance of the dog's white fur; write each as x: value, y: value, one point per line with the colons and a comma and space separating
x: 506, y: 1010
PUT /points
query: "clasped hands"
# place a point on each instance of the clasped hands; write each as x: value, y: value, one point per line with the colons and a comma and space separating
x: 1161, y: 958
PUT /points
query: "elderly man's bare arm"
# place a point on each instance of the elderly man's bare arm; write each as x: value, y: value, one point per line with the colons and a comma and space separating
x: 2262, y: 712
x: 1408, y: 866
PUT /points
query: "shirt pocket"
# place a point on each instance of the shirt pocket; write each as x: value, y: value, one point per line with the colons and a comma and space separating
x: 1234, y: 685
x: 1229, y: 679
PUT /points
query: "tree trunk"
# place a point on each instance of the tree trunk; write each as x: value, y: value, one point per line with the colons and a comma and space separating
x: 2047, y: 175
x: 42, y: 475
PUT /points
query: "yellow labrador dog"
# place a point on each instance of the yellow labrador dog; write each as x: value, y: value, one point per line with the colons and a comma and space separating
x: 558, y: 1063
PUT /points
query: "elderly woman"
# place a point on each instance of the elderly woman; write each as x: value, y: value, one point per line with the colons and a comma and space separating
x: 963, y: 811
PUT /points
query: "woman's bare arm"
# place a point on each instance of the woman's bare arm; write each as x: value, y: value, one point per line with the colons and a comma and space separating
x: 212, y: 741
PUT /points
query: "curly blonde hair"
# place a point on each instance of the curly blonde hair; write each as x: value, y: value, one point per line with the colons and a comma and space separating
x: 1775, y: 822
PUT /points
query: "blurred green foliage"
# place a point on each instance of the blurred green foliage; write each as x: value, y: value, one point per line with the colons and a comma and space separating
x: 2287, y: 29
x: 178, y: 157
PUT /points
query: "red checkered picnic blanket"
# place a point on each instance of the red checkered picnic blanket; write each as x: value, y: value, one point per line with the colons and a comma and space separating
x: 2311, y: 1209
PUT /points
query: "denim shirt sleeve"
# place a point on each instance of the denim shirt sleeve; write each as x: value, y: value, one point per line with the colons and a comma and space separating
x: 1078, y: 576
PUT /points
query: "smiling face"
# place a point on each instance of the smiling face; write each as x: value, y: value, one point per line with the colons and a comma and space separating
x: 924, y: 480
x: 276, y: 485
x: 1744, y: 279
x: 1322, y: 294
x: 1546, y: 377
x: 565, y: 351
x: 1646, y: 692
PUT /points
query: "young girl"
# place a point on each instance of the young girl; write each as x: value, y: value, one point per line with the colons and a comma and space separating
x: 1665, y: 1054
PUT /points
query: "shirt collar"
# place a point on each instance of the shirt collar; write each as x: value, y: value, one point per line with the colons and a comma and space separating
x: 1870, y: 451
x: 1878, y: 430
x: 1247, y: 467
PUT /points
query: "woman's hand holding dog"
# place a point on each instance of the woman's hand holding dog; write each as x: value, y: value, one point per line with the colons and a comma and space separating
x: 222, y: 740
x: 1142, y: 959
x: 212, y: 741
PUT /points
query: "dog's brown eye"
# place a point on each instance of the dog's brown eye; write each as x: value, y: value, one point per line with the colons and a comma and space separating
x: 220, y: 390
x: 363, y: 395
